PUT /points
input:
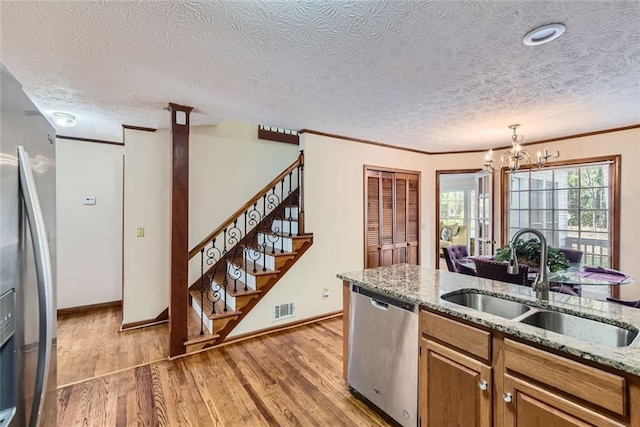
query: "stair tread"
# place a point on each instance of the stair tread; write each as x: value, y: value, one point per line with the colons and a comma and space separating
x: 240, y: 285
x: 220, y: 313
x: 302, y: 236
x: 260, y: 269
x: 241, y: 291
x: 281, y: 218
x: 193, y: 330
x: 219, y: 279
x: 277, y: 254
x: 196, y: 339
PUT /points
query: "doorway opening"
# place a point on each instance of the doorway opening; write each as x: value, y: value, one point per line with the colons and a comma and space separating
x: 464, y: 208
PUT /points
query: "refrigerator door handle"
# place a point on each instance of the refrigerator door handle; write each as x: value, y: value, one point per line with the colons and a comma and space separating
x: 45, y: 281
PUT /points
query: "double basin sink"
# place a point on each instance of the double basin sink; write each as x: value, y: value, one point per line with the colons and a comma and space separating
x: 592, y: 331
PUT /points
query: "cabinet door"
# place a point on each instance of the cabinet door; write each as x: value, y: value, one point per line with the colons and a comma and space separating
x: 527, y: 405
x: 455, y: 389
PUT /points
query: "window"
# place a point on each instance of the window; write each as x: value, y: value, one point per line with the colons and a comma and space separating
x: 452, y: 207
x: 572, y: 205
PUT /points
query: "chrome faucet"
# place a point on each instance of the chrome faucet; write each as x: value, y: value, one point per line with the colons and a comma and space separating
x: 541, y: 282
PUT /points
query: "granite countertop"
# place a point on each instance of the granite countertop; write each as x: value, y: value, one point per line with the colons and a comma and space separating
x: 424, y: 286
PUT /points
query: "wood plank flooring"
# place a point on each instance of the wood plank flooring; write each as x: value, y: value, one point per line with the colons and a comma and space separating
x: 90, y: 345
x: 291, y: 378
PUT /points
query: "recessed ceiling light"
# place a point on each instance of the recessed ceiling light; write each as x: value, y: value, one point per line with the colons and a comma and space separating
x: 64, y: 119
x: 544, y: 34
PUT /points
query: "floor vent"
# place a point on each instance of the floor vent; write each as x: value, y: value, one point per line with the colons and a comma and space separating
x: 283, y: 311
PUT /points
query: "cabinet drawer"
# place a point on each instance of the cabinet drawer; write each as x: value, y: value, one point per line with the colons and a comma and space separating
x: 593, y: 385
x: 472, y: 340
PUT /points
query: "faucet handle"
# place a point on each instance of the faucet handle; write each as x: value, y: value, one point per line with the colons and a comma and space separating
x: 513, y: 261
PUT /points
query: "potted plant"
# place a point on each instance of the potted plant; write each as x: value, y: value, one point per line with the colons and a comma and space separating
x: 528, y: 253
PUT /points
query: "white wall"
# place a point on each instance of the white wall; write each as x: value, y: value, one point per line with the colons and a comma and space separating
x: 147, y: 203
x: 89, y: 237
x: 334, y: 188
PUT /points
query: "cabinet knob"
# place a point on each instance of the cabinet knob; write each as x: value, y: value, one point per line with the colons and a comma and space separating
x: 482, y: 385
x: 507, y: 397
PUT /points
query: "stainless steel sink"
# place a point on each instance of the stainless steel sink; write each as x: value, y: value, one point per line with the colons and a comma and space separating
x: 592, y: 331
x: 488, y: 304
x: 588, y: 330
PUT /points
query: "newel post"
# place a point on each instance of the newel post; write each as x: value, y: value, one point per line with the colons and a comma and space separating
x: 178, y: 332
x: 301, y: 195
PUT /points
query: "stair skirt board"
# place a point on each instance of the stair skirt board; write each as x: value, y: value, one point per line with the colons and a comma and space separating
x: 208, y: 323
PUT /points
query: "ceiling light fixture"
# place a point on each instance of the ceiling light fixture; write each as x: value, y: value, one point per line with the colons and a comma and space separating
x: 64, y: 119
x: 516, y: 156
x: 544, y: 34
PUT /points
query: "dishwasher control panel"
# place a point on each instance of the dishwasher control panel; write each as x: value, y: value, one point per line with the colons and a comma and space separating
x: 384, y: 298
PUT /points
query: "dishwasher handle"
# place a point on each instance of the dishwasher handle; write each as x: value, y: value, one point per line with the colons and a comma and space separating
x: 379, y: 304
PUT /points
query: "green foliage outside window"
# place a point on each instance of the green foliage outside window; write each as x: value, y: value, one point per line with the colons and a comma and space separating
x: 591, y: 199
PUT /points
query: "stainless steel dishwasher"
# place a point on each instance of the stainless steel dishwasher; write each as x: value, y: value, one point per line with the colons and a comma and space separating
x: 383, y: 353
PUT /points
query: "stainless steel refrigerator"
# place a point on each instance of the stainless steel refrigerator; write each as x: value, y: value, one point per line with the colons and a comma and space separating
x: 27, y: 261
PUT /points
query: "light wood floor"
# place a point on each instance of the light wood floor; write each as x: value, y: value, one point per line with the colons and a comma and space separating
x: 90, y: 345
x: 291, y: 378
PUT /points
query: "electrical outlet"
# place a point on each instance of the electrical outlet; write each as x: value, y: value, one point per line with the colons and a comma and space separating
x: 140, y: 232
x: 325, y: 293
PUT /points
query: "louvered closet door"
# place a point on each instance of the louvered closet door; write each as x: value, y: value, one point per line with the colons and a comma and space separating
x: 413, y: 219
x: 372, y: 238
x: 392, y: 218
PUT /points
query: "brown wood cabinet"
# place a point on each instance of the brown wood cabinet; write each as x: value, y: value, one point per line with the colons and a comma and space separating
x: 391, y: 217
x: 471, y: 376
x: 457, y: 389
x: 529, y: 405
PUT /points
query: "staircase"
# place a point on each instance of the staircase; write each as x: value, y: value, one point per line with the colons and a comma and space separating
x: 246, y: 256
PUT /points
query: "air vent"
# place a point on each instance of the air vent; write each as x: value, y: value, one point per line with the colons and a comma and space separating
x: 283, y: 311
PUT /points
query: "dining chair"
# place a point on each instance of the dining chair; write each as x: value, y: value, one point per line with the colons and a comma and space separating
x: 572, y: 255
x: 452, y: 254
x: 497, y: 270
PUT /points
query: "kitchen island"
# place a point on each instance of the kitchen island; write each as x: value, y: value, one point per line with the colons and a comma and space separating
x: 486, y: 369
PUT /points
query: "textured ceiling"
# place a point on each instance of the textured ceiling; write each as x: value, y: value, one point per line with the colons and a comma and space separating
x: 436, y: 76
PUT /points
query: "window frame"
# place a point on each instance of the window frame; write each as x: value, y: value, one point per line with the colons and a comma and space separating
x: 614, y: 208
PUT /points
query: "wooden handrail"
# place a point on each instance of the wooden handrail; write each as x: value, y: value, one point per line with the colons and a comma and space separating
x: 299, y: 161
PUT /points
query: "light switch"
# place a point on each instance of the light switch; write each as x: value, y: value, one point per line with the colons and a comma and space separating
x: 140, y: 232
x: 89, y: 200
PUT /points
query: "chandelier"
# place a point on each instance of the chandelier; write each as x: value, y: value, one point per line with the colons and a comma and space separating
x: 515, y: 157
